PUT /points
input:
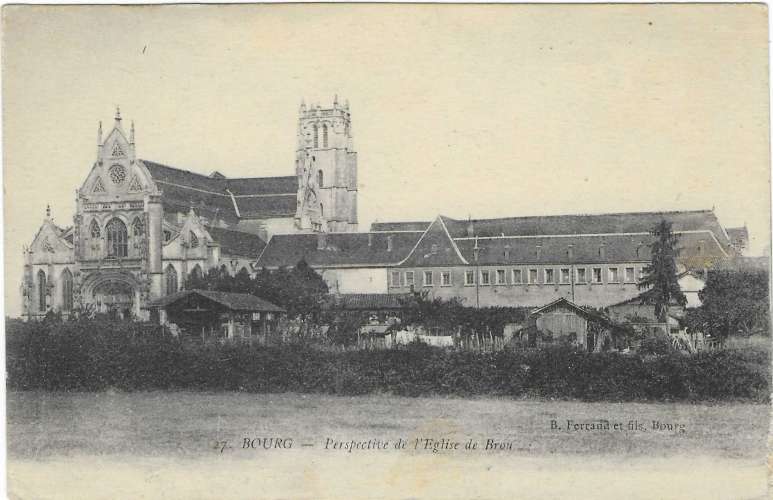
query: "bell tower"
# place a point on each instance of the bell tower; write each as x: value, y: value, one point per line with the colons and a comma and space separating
x: 326, y: 166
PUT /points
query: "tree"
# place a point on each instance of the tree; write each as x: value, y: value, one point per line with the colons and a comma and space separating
x: 660, y: 276
x: 732, y: 303
x: 299, y: 290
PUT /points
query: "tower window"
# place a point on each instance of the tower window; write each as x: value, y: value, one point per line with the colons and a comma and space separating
x: 41, y: 291
x: 324, y: 136
x: 321, y: 210
x: 320, y: 179
x: 116, y: 238
x: 315, y: 131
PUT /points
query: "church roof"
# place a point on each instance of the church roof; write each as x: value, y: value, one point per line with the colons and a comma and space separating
x: 221, y: 197
x: 237, y: 242
x: 338, y: 249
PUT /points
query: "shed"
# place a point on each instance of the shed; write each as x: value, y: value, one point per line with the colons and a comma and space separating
x: 209, y: 314
x: 565, y: 321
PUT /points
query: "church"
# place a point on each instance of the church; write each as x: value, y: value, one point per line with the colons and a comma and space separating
x: 141, y: 228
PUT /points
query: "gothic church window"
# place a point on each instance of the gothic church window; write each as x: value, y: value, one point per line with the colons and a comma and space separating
x: 194, y: 240
x: 171, y: 279
x: 324, y: 136
x: 94, y: 229
x: 116, y: 238
x: 98, y: 186
x: 320, y: 179
x: 41, y: 291
x: 138, y: 227
x: 117, y: 149
x: 167, y: 236
x: 117, y: 174
x: 315, y: 132
x: 67, y: 301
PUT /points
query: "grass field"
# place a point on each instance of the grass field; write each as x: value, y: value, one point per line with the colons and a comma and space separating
x: 170, y: 445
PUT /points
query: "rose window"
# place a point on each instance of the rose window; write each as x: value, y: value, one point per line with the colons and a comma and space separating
x: 117, y: 174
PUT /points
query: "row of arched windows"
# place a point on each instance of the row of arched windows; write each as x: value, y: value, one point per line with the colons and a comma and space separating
x: 316, y: 130
x: 116, y: 235
x: 67, y: 291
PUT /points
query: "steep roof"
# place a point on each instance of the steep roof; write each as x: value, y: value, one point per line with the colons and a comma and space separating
x: 232, y: 301
x: 624, y: 222
x: 217, y: 196
x: 435, y: 248
x: 339, y: 249
x: 563, y: 303
x: 237, y: 242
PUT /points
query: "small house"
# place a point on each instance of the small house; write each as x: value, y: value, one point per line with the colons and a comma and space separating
x: 563, y: 321
x: 209, y: 314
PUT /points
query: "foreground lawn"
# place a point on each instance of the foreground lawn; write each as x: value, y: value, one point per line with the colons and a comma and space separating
x: 44, y: 424
x: 168, y: 445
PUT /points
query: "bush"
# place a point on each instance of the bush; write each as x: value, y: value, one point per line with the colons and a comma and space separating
x: 97, y: 355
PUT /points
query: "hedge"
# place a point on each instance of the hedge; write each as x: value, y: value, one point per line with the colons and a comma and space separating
x: 94, y: 355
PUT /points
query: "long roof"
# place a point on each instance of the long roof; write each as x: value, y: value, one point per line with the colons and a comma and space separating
x: 218, y: 196
x: 232, y: 301
x: 338, y: 249
x: 545, y: 225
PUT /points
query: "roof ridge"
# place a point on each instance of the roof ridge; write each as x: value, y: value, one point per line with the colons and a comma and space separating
x: 587, y: 214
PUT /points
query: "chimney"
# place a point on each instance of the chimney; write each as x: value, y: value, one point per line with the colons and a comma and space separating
x: 570, y: 252
x: 370, y: 240
x: 507, y: 252
x: 470, y: 228
x: 539, y: 252
x: 321, y: 241
x: 603, y: 251
x: 476, y: 250
x: 389, y: 243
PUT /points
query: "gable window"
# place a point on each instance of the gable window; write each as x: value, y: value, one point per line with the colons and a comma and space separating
x: 501, y: 277
x: 517, y: 277
x: 116, y: 238
x: 94, y: 229
x: 629, y: 275
x: 596, y: 275
x: 445, y: 278
x: 395, y: 278
x: 171, y: 279
x: 193, y: 239
x: 550, y: 276
x: 614, y: 275
x: 532, y: 276
x: 409, y: 281
x: 485, y: 278
x: 67, y: 290
x: 565, y: 275
x: 41, y: 291
x: 469, y: 277
x: 582, y: 275
x: 428, y: 278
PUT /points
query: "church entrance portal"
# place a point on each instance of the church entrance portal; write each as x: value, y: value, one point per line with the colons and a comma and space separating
x: 115, y: 298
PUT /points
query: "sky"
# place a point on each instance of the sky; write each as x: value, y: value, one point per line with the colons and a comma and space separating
x: 461, y: 110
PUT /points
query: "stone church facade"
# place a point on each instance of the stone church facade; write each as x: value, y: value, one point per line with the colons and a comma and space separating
x: 142, y: 228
